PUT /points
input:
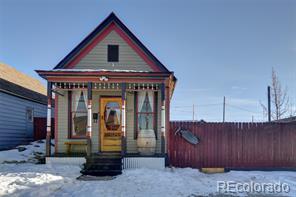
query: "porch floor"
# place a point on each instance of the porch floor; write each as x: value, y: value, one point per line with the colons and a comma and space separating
x: 106, y: 154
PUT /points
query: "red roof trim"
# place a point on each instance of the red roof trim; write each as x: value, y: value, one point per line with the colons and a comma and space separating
x: 92, y: 44
x: 136, y: 48
x: 112, y: 27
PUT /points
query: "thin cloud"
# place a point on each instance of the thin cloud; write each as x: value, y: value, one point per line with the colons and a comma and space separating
x: 238, y: 88
x: 194, y: 90
x: 243, y: 101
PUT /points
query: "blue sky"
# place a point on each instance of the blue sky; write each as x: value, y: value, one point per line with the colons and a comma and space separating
x: 216, y: 48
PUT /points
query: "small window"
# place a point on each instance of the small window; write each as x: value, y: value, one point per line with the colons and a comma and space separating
x: 30, y: 114
x: 113, y: 53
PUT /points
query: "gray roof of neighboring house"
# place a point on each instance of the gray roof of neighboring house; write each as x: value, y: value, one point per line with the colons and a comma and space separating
x: 18, y: 84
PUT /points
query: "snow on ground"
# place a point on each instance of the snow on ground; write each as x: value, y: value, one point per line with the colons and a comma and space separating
x: 60, y: 180
x: 24, y: 153
x: 24, y: 178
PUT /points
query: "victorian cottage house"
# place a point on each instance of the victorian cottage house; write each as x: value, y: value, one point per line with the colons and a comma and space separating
x: 112, y: 101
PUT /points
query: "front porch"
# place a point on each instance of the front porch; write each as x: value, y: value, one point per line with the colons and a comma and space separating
x: 113, y: 122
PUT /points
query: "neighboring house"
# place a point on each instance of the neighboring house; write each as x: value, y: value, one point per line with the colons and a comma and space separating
x: 112, y: 96
x: 21, y: 99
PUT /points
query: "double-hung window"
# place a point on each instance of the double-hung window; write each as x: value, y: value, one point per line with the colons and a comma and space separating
x: 145, y: 111
x: 78, y: 114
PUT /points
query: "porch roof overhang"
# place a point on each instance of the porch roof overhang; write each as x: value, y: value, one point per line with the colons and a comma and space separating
x: 89, y: 75
x: 89, y: 72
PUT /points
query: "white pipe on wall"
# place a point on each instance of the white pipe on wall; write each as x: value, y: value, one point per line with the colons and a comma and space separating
x: 163, y: 118
x: 123, y: 118
x: 89, y: 118
x: 48, y: 123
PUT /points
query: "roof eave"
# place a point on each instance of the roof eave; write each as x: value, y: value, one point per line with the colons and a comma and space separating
x: 45, y: 73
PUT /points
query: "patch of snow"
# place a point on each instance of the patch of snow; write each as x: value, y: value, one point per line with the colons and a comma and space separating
x: 29, y: 154
x: 60, y: 180
x: 29, y: 179
x: 98, y: 70
x: 34, y: 180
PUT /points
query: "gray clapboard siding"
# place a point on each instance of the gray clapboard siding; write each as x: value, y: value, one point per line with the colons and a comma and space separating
x: 62, y: 112
x: 131, y: 143
x: 158, y: 142
x: 15, y: 129
x: 128, y: 58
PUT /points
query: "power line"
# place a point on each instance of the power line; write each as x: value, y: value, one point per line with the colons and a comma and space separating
x: 243, y: 109
x: 203, y: 105
x: 230, y: 105
x: 182, y: 111
x: 181, y: 106
x: 187, y: 109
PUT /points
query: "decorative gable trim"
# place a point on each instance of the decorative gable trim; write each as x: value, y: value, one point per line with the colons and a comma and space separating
x: 111, y: 23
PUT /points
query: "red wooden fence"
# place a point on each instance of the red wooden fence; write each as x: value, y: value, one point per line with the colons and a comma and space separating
x: 234, y: 145
x: 40, y: 128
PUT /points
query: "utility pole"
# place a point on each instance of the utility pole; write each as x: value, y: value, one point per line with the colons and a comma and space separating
x: 193, y: 112
x: 252, y: 118
x: 268, y: 100
x: 224, y: 109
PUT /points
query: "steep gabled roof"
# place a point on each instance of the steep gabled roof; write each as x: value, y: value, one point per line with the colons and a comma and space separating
x: 112, y: 18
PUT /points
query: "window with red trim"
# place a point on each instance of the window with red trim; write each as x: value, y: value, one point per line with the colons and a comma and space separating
x: 78, y: 114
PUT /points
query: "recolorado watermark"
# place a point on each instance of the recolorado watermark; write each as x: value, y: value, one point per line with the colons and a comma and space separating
x: 252, y: 187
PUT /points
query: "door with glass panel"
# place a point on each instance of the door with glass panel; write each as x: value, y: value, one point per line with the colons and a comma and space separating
x: 110, y: 124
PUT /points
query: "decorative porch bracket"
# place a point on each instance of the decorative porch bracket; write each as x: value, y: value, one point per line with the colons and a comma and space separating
x: 163, y: 122
x: 48, y: 124
x: 123, y: 127
x: 89, y: 118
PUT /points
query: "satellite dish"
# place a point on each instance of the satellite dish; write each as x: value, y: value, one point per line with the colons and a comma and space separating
x: 188, y: 136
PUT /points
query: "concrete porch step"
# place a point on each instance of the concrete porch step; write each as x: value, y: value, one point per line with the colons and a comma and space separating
x: 103, y: 160
x: 103, y: 165
x: 101, y: 172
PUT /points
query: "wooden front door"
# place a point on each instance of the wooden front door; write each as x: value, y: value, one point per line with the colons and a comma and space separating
x: 110, y: 124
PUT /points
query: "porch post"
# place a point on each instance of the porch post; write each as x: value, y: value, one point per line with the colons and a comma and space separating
x: 163, y: 120
x: 89, y: 118
x: 123, y: 127
x: 48, y: 124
